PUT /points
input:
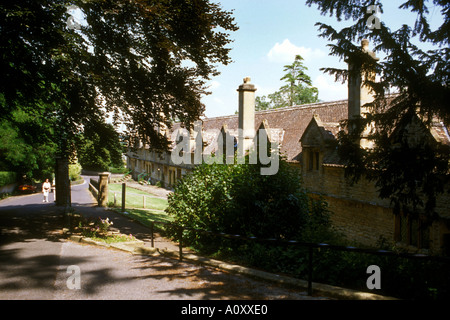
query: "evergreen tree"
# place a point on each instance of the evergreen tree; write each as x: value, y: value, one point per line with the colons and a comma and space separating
x: 410, y: 173
x: 297, y: 91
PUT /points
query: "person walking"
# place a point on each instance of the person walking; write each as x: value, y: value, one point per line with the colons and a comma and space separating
x: 46, y: 186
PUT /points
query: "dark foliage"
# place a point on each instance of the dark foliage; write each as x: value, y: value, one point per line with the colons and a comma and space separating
x: 410, y: 172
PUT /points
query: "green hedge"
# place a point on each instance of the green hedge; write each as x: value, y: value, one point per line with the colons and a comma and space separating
x: 7, y: 177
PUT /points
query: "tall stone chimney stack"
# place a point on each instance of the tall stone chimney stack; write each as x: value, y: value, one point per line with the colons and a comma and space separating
x: 360, y: 94
x: 246, y: 114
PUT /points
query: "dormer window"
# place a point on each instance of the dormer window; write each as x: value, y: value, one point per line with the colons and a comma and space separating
x: 313, y: 159
x: 318, y: 142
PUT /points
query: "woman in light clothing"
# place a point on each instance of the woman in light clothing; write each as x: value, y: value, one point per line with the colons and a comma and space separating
x: 46, y: 186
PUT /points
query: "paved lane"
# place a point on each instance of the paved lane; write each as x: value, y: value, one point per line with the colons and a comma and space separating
x: 34, y: 261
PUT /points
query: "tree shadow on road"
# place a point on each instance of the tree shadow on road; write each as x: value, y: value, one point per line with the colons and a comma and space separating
x: 27, y: 266
x: 195, y: 281
x: 19, y: 223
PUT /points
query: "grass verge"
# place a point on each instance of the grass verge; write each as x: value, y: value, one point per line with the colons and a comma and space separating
x: 135, y: 198
x: 146, y: 217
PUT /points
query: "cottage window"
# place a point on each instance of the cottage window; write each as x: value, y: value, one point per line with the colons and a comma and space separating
x: 413, y: 232
x: 313, y: 162
x: 317, y: 163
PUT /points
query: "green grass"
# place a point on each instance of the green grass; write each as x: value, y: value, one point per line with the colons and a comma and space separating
x: 146, y: 217
x: 154, y: 206
x: 134, y: 198
x: 114, y: 238
x: 122, y: 170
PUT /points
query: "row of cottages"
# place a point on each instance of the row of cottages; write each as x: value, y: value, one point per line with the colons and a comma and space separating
x: 307, y: 137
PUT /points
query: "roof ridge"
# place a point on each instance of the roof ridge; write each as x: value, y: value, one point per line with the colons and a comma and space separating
x: 296, y: 107
x: 305, y: 106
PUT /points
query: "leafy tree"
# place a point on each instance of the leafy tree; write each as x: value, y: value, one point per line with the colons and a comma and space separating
x: 74, y: 171
x: 144, y: 62
x: 7, y: 177
x: 410, y: 173
x: 297, y: 91
x: 24, y: 148
x: 99, y: 147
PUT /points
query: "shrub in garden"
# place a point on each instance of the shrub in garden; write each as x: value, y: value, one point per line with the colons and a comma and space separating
x: 74, y: 171
x: 7, y: 177
x: 237, y: 199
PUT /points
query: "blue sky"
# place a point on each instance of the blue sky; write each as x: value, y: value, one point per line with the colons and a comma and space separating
x: 271, y: 34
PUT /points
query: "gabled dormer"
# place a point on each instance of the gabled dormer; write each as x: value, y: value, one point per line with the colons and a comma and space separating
x: 267, y: 139
x: 318, y: 141
x: 227, y: 142
x: 413, y: 131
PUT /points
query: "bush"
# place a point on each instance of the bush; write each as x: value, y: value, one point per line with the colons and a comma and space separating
x: 237, y: 199
x: 7, y: 177
x: 74, y: 171
x: 118, y: 170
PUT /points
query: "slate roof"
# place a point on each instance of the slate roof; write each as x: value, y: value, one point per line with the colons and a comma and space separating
x: 288, y: 125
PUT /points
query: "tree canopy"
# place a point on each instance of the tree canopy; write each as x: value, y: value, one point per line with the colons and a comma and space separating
x: 138, y: 59
x: 144, y: 62
x: 25, y: 147
x: 99, y: 147
x: 411, y: 174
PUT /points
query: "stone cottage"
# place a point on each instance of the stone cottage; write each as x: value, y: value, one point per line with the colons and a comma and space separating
x: 306, y: 136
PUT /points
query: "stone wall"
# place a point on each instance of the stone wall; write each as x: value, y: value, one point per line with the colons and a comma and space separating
x: 360, y: 214
x: 93, y: 190
x: 361, y: 222
x: 357, y: 210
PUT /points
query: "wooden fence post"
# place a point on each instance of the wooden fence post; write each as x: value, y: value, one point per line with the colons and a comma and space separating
x: 124, y: 186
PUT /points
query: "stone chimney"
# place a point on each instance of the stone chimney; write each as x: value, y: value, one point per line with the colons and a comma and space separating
x: 358, y: 93
x: 246, y: 114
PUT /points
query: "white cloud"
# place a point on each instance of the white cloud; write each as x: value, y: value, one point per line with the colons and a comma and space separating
x: 265, y: 90
x: 214, y: 85
x: 329, y: 90
x: 286, y: 52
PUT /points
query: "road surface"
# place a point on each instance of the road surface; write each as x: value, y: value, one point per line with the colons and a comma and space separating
x: 37, y: 263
